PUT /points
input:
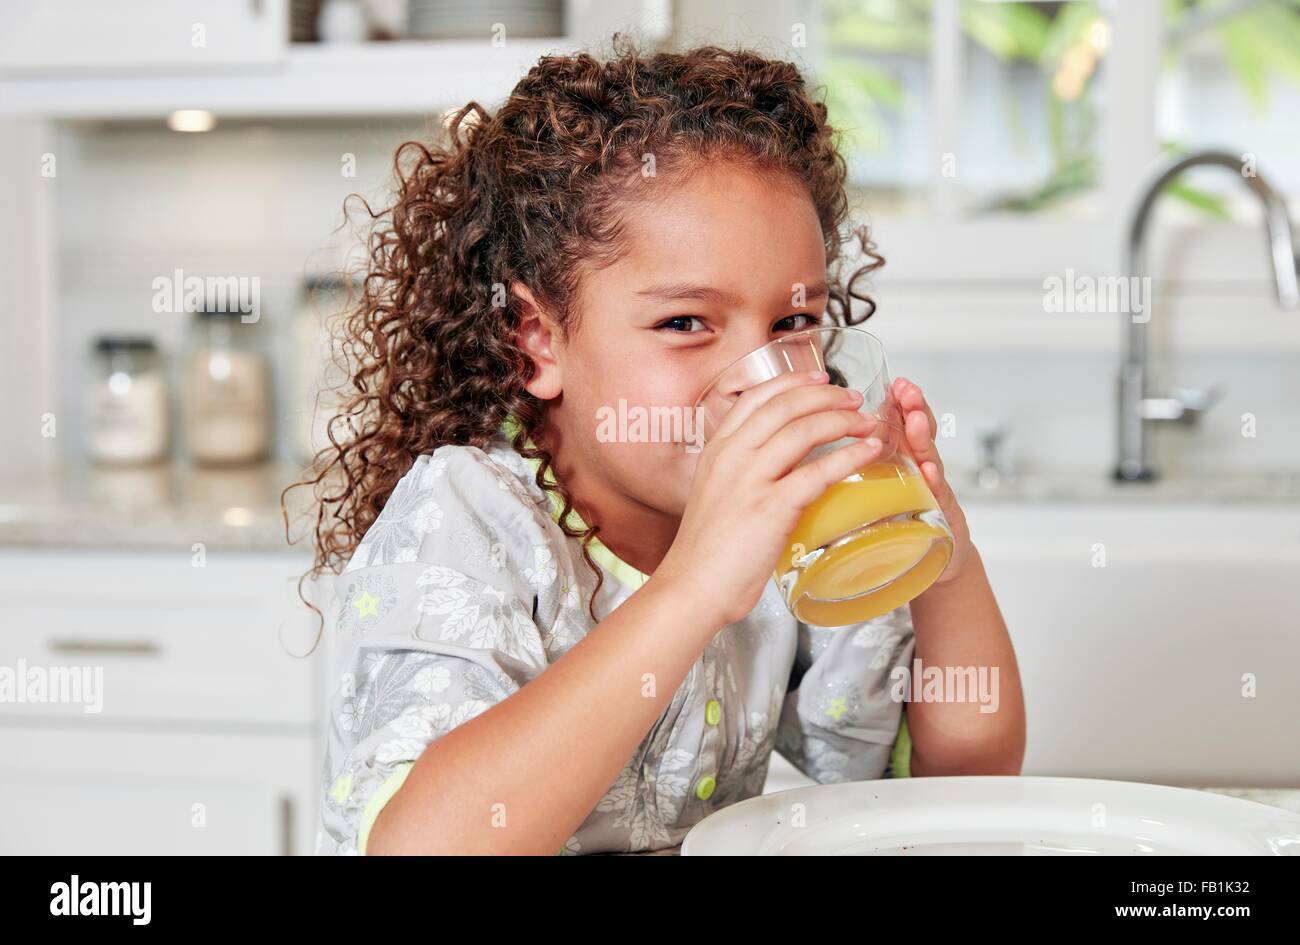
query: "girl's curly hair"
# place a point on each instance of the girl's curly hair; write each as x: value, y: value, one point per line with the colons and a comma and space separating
x: 533, y: 194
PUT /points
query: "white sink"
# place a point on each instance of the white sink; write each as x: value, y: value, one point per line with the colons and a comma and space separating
x: 1134, y: 671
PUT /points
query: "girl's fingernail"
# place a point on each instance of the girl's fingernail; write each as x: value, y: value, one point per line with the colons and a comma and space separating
x: 819, y: 375
x: 873, y: 442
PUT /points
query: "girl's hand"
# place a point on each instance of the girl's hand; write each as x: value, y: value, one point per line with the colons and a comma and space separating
x: 749, y: 489
x: 919, y: 422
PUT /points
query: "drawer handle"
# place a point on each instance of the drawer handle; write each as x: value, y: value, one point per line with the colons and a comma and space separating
x: 286, y: 825
x: 107, y: 647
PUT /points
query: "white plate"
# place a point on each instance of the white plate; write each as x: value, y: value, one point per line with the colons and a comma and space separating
x: 1017, y: 816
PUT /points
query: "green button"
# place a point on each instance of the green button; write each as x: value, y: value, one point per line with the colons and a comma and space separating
x: 713, y: 712
x: 704, y: 788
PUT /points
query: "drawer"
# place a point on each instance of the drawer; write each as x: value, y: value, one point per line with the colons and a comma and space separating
x: 73, y: 792
x: 132, y: 637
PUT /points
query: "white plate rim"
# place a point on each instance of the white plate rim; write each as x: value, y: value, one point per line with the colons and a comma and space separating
x: 701, y: 839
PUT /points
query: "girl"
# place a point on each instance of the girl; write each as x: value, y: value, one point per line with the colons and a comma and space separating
x: 508, y: 682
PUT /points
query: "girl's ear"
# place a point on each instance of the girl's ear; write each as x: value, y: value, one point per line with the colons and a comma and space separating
x: 536, y: 337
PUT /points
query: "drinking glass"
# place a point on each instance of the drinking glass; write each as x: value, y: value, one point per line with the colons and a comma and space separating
x: 873, y: 541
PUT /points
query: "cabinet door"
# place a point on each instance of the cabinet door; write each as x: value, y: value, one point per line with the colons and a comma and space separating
x: 107, y: 34
x: 143, y: 637
x: 86, y: 791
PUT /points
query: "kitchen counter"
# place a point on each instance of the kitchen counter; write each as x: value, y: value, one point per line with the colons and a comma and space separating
x: 1264, y: 486
x: 152, y: 507
x: 239, y: 509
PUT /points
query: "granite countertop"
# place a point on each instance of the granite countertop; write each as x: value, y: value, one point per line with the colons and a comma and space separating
x: 239, y: 508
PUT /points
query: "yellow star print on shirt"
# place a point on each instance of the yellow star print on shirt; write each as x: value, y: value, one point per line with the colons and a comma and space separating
x: 367, y: 605
x: 838, y: 708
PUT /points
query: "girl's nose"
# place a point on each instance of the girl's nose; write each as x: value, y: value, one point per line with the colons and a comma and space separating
x: 742, y: 375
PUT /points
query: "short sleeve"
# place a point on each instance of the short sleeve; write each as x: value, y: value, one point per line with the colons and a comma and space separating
x: 841, y: 719
x: 422, y: 646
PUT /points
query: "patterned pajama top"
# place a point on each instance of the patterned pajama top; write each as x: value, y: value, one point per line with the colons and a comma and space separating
x: 465, y: 588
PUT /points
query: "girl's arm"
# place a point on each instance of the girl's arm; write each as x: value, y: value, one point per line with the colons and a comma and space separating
x: 958, y: 625
x: 521, y: 777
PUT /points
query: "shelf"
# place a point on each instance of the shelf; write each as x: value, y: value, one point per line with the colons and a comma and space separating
x: 413, y: 78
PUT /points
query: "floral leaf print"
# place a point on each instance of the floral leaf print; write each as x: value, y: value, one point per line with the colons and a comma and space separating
x: 885, y: 633
x: 422, y: 723
x: 433, y: 471
x: 350, y: 717
x: 869, y: 634
x: 749, y: 767
x: 621, y: 793
x: 371, y: 661
x: 542, y: 574
x: 885, y: 655
x: 675, y: 760
x: 392, y: 538
x: 431, y: 680
x: 390, y: 688
x: 829, y: 765
x: 645, y: 831
x: 489, y: 619
x: 428, y: 517
x: 564, y: 631
x: 438, y: 576
x: 465, y: 711
x: 669, y: 787
x: 416, y: 730
x: 479, y: 684
x: 483, y: 548
x: 397, y: 750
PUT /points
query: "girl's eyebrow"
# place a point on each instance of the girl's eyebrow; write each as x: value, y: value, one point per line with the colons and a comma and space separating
x: 681, y: 291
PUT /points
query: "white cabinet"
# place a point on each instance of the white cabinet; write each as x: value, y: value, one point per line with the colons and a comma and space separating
x: 98, y: 791
x: 157, y: 703
x: 113, y: 34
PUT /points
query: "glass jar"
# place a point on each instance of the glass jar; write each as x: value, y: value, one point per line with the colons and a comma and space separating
x: 318, y: 382
x: 227, y: 391
x: 126, y: 403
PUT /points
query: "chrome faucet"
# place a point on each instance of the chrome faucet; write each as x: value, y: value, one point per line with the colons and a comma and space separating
x: 1136, y: 407
x: 994, y: 467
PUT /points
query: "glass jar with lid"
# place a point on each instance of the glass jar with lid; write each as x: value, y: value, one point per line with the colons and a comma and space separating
x: 317, y: 381
x: 227, y: 391
x: 126, y: 402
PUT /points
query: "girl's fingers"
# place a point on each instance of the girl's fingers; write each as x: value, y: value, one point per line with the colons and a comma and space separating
x: 745, y: 403
x: 756, y: 402
x: 910, y: 397
x: 792, y: 443
x: 943, y: 493
x: 797, y: 407
x: 805, y: 483
x: 918, y: 437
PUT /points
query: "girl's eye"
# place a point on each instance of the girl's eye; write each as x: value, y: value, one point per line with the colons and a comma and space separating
x: 678, y: 321
x: 810, y: 321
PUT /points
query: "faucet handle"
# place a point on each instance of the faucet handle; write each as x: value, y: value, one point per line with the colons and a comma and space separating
x: 991, y: 438
x: 993, y: 467
x: 1183, y: 405
x: 1198, y: 401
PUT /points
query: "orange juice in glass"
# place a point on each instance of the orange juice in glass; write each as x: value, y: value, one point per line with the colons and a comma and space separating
x: 873, y: 541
